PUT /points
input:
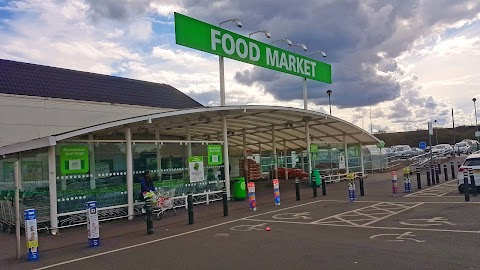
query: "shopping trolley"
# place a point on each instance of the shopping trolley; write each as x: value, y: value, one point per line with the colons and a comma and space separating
x: 164, y: 201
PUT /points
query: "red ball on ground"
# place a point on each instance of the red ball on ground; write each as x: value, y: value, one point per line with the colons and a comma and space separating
x: 267, y: 229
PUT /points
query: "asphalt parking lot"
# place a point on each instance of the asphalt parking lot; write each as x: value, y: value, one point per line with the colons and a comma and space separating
x: 431, y: 228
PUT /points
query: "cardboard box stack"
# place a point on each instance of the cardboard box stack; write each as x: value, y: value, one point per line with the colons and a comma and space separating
x: 253, y: 169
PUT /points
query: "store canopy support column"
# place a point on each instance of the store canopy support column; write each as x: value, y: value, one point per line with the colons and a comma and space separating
x: 245, y: 155
x: 129, y: 159
x: 361, y: 160
x: 307, y: 139
x: 159, y: 153
x: 91, y: 150
x: 285, y: 158
x: 189, y: 138
x: 226, y: 160
x: 274, y: 152
x: 52, y: 188
x: 346, y: 153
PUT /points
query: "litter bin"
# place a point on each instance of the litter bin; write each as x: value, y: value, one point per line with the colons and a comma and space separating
x: 239, y: 189
x: 318, y: 179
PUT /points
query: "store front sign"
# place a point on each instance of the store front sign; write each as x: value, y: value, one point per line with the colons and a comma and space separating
x: 74, y: 159
x: 215, y: 156
x: 205, y: 37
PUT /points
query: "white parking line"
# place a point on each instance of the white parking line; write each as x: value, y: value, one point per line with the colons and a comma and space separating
x: 170, y: 237
x: 362, y: 226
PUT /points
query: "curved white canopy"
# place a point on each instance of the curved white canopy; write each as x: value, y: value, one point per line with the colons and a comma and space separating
x: 256, y: 121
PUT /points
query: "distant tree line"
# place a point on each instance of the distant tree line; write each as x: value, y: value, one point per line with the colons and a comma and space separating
x: 413, y: 138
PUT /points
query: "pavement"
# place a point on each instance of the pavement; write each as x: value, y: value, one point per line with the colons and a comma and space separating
x: 431, y: 228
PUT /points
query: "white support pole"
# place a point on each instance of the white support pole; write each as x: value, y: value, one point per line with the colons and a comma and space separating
x: 307, y: 137
x: 189, y: 138
x: 346, y: 153
x: 361, y: 159
x: 305, y: 99
x: 91, y: 150
x: 285, y: 158
x: 129, y: 159
x: 245, y: 155
x: 226, y: 160
x: 260, y: 156
x: 159, y: 153
x: 301, y: 159
x: 274, y: 151
x: 52, y: 188
x: 222, y: 80
x: 17, y: 208
x: 20, y: 176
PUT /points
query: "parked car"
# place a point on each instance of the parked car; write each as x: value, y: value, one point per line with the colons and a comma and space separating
x: 442, y: 149
x: 417, y: 151
x: 462, y: 148
x: 402, y: 150
x: 471, y: 162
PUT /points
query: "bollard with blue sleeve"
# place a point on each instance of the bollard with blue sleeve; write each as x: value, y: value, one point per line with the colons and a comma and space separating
x: 352, y: 196
x: 92, y: 224
x: 31, y: 234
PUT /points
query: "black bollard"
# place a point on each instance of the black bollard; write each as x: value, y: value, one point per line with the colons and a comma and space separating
x: 432, y: 173
x: 428, y: 178
x: 225, y: 203
x: 466, y: 189
x: 437, y: 176
x: 452, y: 167
x: 439, y: 168
x: 324, y: 187
x: 149, y: 214
x: 314, y: 186
x: 362, y: 188
x: 190, y: 208
x: 297, y: 189
x: 445, y: 172
x: 419, y: 180
x: 472, y: 183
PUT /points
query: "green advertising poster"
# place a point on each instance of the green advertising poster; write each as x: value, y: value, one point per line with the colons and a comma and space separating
x: 212, y: 39
x: 215, y: 154
x: 74, y: 159
x: 196, y: 169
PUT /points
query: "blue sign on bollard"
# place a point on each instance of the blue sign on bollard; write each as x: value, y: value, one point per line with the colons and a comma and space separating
x: 422, y: 145
x: 31, y: 234
x: 92, y: 224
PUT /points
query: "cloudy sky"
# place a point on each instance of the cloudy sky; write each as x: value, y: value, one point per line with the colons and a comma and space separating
x: 408, y: 62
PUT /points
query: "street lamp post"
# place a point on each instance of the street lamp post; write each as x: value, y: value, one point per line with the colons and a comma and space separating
x: 329, y: 93
x: 305, y: 99
x: 221, y: 65
x: 226, y: 161
x: 436, y: 132
x: 477, y: 135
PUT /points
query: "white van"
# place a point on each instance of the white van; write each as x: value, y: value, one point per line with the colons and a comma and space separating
x: 471, y: 162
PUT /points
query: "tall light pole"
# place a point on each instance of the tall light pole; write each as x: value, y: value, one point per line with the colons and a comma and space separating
x: 226, y: 161
x: 305, y: 98
x: 329, y: 93
x: 221, y: 65
x: 477, y: 135
x: 436, y: 131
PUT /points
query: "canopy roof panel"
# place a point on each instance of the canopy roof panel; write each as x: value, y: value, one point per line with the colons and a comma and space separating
x: 257, y: 122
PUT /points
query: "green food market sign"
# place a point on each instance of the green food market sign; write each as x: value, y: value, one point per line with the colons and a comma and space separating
x: 215, y: 156
x: 313, y: 148
x: 74, y: 159
x: 205, y: 37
